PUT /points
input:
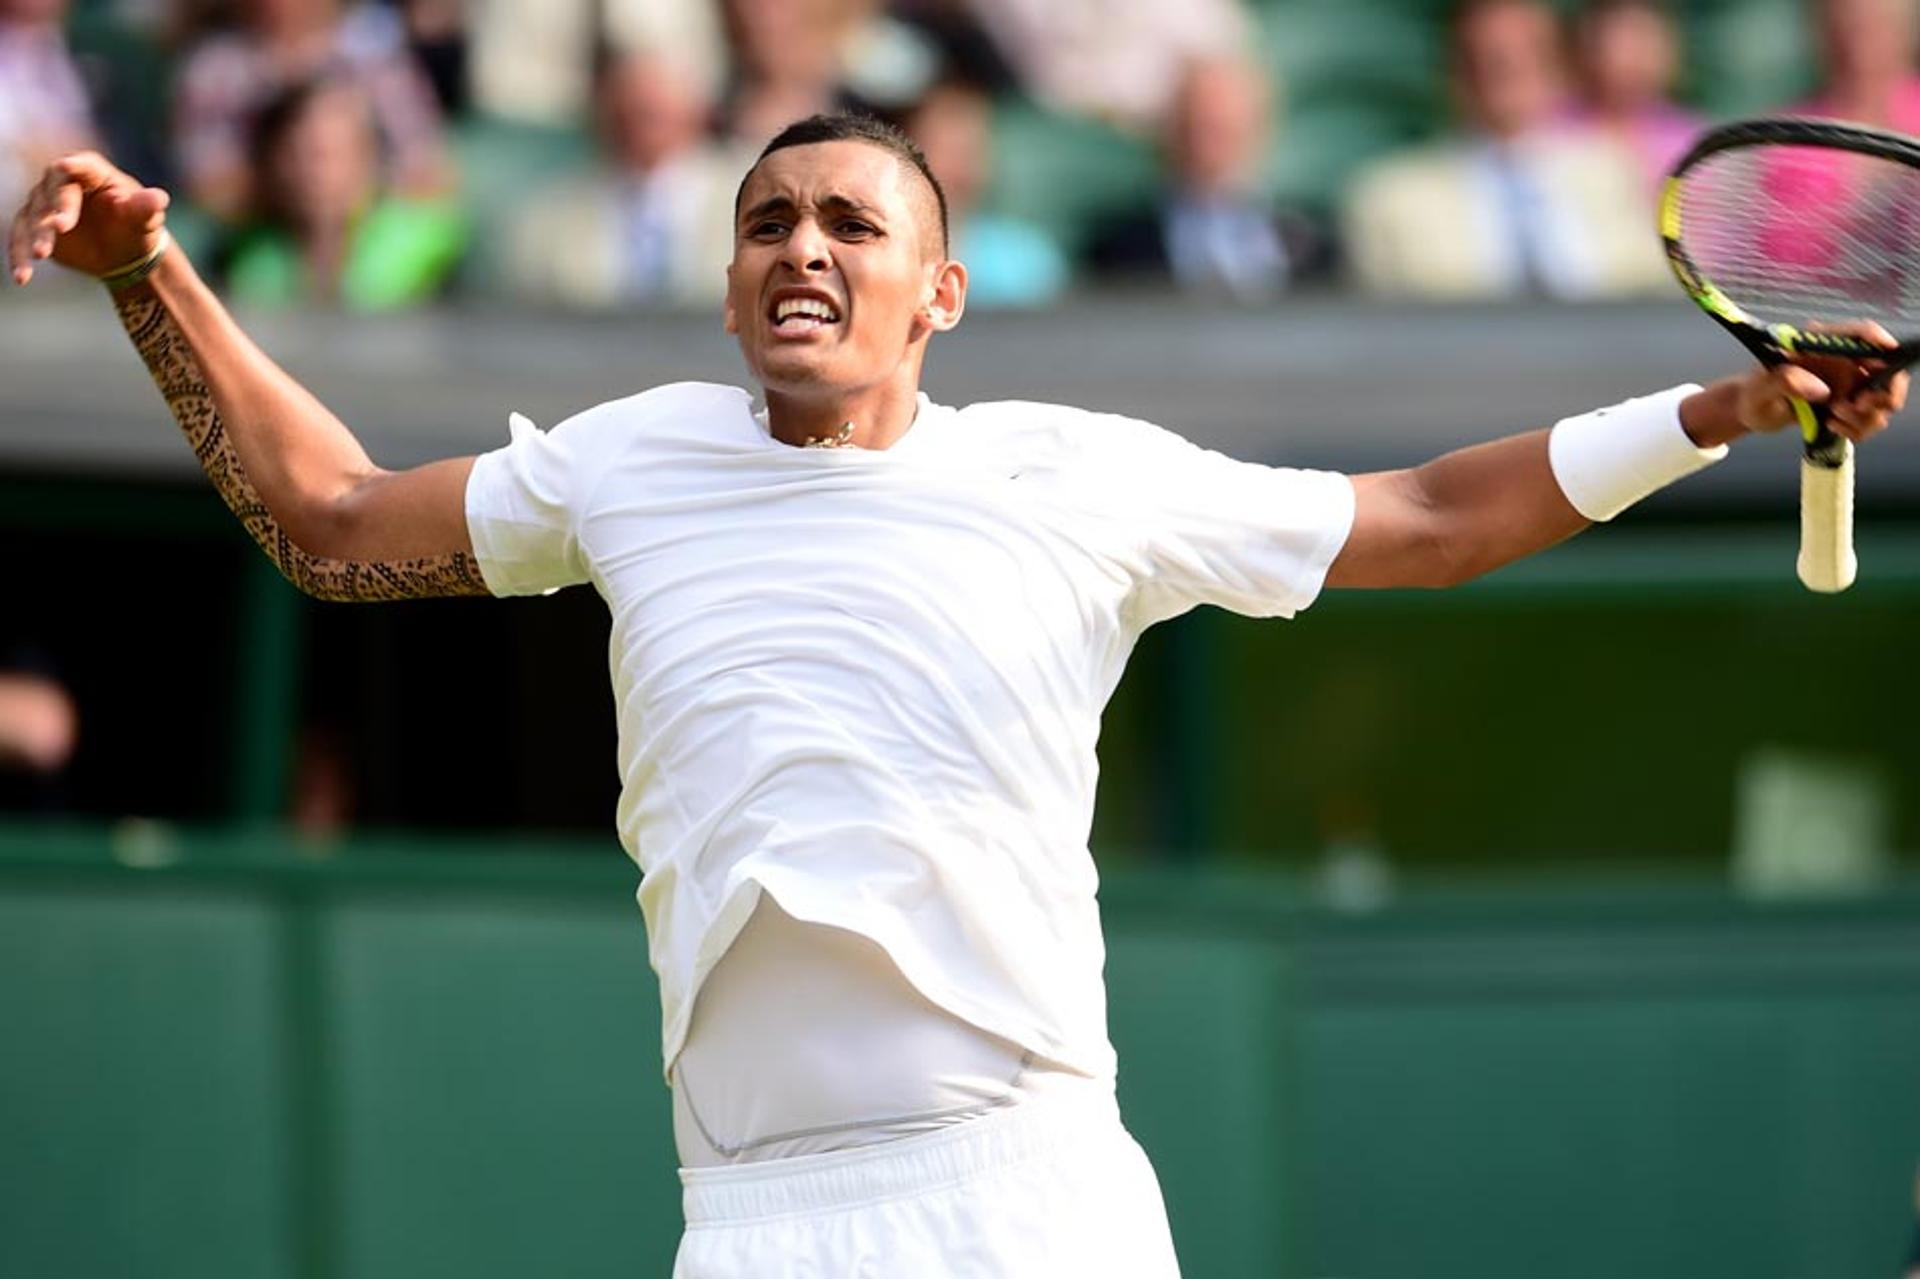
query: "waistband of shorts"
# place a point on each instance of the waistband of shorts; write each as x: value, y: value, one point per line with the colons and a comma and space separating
x: 849, y: 1178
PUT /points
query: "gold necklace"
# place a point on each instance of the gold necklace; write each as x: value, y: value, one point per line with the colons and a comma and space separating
x: 840, y: 439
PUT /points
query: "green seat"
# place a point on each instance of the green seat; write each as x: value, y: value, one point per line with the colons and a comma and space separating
x: 1063, y: 173
x: 1747, y: 57
x: 1358, y: 78
x: 503, y: 164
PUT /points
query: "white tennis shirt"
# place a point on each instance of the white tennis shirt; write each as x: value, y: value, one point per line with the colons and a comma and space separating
x: 870, y: 681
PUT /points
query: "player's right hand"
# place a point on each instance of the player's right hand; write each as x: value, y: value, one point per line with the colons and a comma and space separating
x: 1859, y: 404
x: 85, y: 214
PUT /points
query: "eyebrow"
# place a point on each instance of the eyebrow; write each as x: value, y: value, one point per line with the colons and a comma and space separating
x: 831, y: 203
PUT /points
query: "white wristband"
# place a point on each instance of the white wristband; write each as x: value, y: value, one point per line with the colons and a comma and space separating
x: 1608, y: 459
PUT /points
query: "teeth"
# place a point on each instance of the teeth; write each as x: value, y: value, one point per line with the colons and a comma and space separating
x: 813, y: 307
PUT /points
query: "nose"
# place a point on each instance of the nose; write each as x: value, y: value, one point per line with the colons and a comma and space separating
x: 807, y: 248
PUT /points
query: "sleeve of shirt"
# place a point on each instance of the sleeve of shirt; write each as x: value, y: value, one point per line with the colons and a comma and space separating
x: 1255, y: 540
x: 522, y: 510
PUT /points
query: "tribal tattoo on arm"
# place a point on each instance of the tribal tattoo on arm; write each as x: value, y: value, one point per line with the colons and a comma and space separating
x: 170, y: 359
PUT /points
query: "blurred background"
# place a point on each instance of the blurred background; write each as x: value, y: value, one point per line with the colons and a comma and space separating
x: 1563, y: 924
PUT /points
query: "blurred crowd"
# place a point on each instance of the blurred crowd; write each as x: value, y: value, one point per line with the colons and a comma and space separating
x: 584, y: 153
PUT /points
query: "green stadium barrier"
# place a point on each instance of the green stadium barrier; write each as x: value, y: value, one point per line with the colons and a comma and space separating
x: 232, y: 1056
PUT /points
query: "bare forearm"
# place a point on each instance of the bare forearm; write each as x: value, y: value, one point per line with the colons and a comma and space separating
x: 288, y: 469
x: 1502, y: 501
x: 1472, y: 511
x: 1497, y: 502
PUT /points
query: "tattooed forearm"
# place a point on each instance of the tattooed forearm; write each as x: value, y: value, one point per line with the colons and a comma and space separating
x: 177, y: 373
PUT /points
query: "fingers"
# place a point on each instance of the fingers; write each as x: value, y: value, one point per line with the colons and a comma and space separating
x: 59, y: 200
x: 20, y: 244
x: 58, y: 215
x: 1867, y: 411
x: 52, y: 208
x: 1799, y: 383
x: 151, y: 204
x: 89, y: 169
x: 65, y: 213
x: 1859, y: 403
x: 1866, y: 330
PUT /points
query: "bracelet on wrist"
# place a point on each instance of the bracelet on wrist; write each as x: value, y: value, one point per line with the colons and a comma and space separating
x: 125, y: 277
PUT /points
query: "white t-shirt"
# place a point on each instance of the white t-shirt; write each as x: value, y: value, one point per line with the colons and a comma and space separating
x: 870, y: 681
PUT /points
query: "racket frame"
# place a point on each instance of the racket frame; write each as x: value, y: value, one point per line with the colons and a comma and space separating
x: 1827, y: 470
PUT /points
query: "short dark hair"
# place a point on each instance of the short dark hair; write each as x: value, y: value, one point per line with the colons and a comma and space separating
x: 854, y: 126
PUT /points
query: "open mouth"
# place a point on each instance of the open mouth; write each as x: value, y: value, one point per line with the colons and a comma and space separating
x: 795, y: 316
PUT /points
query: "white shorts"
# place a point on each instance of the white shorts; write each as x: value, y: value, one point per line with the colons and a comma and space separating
x: 1051, y: 1188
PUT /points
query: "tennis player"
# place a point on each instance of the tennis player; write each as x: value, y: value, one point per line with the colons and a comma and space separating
x: 861, y: 643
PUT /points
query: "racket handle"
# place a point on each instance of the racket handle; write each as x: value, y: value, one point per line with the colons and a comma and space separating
x: 1827, y: 562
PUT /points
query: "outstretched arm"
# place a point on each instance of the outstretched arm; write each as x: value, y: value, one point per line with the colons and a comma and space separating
x: 339, y: 527
x: 1471, y: 511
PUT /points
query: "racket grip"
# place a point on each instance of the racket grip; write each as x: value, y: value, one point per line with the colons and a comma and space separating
x: 1827, y: 562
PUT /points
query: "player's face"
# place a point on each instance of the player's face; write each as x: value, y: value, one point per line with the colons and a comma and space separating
x: 836, y: 279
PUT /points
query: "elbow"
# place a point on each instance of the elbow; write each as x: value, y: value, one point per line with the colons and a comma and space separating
x: 1450, y: 564
x: 1457, y: 555
x: 337, y: 528
x: 1445, y: 577
x: 315, y: 530
x: 318, y: 577
x: 302, y: 569
x: 1444, y: 550
x: 329, y: 581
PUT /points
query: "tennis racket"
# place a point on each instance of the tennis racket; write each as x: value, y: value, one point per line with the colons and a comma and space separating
x: 1777, y: 227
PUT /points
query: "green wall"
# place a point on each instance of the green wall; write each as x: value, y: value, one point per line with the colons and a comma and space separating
x: 226, y: 1057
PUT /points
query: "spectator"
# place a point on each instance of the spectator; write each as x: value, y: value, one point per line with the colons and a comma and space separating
x: 43, y: 105
x: 1120, y: 60
x: 1866, y: 58
x: 788, y: 58
x: 965, y: 52
x: 654, y: 223
x: 534, y: 63
x: 1215, y: 230
x: 437, y: 39
x: 323, y: 795
x: 229, y: 77
x: 1628, y: 56
x: 1009, y: 263
x: 1866, y: 64
x: 1518, y: 203
x: 324, y: 231
x: 39, y: 728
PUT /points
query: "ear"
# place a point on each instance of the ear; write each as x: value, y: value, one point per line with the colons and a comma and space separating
x: 946, y: 297
x: 730, y: 320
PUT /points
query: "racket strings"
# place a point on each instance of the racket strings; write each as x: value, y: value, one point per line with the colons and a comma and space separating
x: 1796, y: 234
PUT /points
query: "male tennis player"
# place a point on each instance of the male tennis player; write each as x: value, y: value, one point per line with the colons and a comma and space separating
x: 861, y: 642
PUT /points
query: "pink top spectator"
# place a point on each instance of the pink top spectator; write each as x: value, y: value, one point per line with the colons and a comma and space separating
x: 1657, y: 136
x: 1868, y: 84
x: 1902, y: 108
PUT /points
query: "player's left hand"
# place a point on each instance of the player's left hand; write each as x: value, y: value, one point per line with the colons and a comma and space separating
x: 1857, y: 407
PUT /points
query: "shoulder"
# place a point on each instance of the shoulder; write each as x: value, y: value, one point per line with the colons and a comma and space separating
x: 674, y: 410
x: 567, y: 463
x: 1037, y: 431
